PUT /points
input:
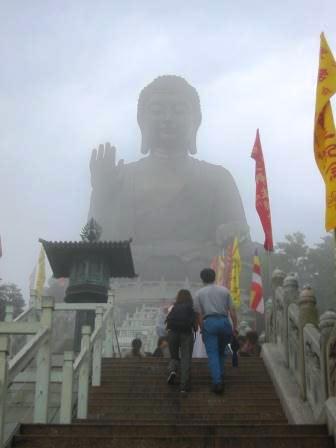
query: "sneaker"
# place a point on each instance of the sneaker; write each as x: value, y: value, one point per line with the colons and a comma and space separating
x: 171, y: 378
x: 183, y: 392
x: 217, y: 388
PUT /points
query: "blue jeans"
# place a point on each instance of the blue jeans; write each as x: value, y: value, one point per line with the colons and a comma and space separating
x: 217, y: 333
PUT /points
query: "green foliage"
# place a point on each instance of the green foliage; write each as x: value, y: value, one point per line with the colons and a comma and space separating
x: 313, y: 265
x: 10, y: 294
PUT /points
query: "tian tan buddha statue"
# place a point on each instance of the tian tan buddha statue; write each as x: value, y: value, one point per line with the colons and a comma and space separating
x: 179, y: 211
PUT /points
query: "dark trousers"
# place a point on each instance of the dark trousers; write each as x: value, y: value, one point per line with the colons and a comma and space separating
x: 181, y: 343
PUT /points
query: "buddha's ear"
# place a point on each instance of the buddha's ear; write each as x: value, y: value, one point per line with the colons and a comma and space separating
x: 144, y: 144
x: 192, y: 144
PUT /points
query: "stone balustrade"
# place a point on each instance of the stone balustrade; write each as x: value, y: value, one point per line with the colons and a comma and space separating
x: 305, y: 341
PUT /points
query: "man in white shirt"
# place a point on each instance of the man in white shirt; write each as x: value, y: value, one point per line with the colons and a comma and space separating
x: 214, y: 306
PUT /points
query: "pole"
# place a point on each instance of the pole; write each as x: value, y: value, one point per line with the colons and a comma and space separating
x: 269, y: 264
x: 334, y: 233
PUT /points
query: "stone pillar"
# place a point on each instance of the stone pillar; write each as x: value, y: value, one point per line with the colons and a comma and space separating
x: 43, y: 364
x: 327, y: 324
x: 4, y: 347
x: 9, y: 312
x: 307, y: 314
x: 278, y: 277
x: 84, y: 374
x: 291, y: 295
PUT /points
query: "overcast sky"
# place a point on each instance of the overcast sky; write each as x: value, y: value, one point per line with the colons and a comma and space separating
x: 71, y: 73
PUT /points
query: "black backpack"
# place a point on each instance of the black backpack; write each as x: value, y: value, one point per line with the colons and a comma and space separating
x: 182, y: 317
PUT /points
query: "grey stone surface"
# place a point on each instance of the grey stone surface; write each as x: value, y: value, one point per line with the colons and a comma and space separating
x: 178, y: 210
x: 330, y: 407
x: 297, y: 411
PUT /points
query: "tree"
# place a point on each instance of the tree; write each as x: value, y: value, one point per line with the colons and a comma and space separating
x: 10, y: 294
x: 314, y: 266
x: 321, y: 265
x: 291, y: 254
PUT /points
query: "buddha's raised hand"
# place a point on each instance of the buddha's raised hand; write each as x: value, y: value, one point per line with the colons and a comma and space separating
x: 103, y: 166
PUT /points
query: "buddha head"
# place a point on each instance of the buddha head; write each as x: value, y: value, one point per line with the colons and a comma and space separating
x: 169, y: 115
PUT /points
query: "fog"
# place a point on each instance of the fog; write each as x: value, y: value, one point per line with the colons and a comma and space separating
x: 70, y: 78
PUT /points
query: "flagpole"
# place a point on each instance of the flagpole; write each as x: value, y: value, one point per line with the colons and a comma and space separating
x: 269, y: 268
x: 334, y: 232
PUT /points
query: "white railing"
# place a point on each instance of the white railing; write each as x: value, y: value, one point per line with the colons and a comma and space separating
x: 38, y: 346
x: 76, y: 374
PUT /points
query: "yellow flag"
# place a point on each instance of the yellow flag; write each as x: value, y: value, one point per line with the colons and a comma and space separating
x: 324, y: 132
x: 235, y: 274
x: 41, y: 275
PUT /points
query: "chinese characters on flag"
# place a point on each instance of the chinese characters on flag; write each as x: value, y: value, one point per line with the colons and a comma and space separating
x: 324, y: 132
x: 262, y: 199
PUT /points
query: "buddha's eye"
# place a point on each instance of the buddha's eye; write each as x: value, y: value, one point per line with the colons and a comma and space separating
x: 155, y: 109
x: 180, y: 108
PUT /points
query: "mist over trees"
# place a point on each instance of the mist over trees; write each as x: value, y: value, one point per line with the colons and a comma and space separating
x: 314, y: 266
x: 10, y: 294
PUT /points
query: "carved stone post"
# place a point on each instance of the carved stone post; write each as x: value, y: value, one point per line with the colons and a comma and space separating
x: 4, y: 347
x: 307, y: 314
x: 108, y: 342
x: 291, y: 295
x: 327, y: 323
x: 97, y: 349
x: 33, y: 298
x: 67, y: 388
x: 43, y: 361
x: 278, y: 277
x: 84, y: 374
x: 9, y: 311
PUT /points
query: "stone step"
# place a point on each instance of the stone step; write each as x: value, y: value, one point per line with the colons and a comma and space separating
x: 206, y: 375
x: 190, y: 400
x: 181, y: 409
x: 239, y: 390
x: 174, y: 417
x: 134, y: 407
x: 279, y: 441
x: 196, y: 380
x: 99, y: 429
x: 173, y: 393
x: 255, y: 360
x: 201, y: 371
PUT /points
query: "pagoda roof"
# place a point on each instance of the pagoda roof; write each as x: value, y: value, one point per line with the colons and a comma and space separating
x: 117, y: 254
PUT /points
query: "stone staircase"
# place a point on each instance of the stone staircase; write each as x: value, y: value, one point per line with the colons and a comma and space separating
x: 134, y: 407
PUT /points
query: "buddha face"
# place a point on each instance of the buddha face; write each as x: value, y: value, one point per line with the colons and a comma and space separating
x: 168, y: 123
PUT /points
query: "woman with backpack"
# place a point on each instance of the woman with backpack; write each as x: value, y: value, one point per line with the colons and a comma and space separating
x: 181, y: 325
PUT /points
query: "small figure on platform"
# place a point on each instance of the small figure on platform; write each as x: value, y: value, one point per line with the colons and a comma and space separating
x: 251, y: 346
x: 162, y: 350
x: 136, y: 349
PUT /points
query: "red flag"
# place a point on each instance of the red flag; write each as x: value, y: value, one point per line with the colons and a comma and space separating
x: 262, y: 199
x: 257, y: 299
